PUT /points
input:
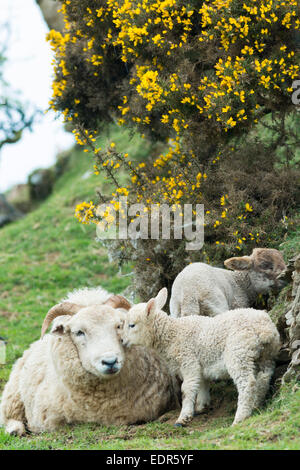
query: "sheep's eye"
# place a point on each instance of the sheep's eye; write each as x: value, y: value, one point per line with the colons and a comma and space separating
x: 79, y: 333
x: 131, y: 325
x: 118, y: 326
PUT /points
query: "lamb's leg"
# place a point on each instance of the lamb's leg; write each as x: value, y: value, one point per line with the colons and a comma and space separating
x: 12, y: 408
x: 190, y: 306
x: 203, y: 397
x: 190, y: 386
x: 241, y: 370
x: 263, y: 378
x: 246, y: 398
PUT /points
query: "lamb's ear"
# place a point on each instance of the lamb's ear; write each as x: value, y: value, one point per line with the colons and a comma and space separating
x: 239, y: 264
x: 158, y: 302
x: 59, y: 325
x: 151, y: 306
x: 161, y: 298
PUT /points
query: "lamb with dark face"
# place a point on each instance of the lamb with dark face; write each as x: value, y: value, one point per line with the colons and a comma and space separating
x: 81, y: 373
x: 201, y: 289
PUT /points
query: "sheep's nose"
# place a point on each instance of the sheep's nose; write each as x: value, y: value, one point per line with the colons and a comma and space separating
x: 109, y: 361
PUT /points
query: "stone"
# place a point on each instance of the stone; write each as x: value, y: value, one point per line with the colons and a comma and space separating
x: 8, y: 213
x: 19, y: 197
x: 41, y: 184
x: 49, y: 11
x: 293, y: 322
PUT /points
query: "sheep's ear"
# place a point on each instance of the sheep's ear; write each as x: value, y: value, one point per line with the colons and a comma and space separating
x: 59, y: 326
x: 239, y: 263
x: 161, y: 298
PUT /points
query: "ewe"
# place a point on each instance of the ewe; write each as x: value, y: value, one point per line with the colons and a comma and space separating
x: 80, y: 373
x: 241, y: 344
x: 200, y: 289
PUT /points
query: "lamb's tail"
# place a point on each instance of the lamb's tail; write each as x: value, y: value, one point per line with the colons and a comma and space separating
x: 269, y: 338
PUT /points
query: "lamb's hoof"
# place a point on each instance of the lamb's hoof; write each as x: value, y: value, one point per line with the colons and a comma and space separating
x: 15, y: 428
x: 200, y: 412
x: 184, y: 421
x: 238, y: 421
x: 178, y: 425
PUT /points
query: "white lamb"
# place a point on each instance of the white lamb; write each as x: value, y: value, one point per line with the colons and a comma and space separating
x: 241, y: 344
x: 81, y: 373
x: 201, y: 289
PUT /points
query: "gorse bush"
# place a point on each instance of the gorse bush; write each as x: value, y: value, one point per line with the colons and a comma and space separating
x: 209, y: 77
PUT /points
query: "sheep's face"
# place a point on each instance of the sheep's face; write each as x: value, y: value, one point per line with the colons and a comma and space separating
x: 135, y: 330
x: 264, y: 266
x: 94, y: 332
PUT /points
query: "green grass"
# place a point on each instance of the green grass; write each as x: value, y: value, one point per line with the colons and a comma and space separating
x: 291, y: 246
x: 275, y: 427
x: 47, y: 254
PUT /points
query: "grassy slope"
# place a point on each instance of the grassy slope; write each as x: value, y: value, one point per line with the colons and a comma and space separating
x: 49, y: 253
